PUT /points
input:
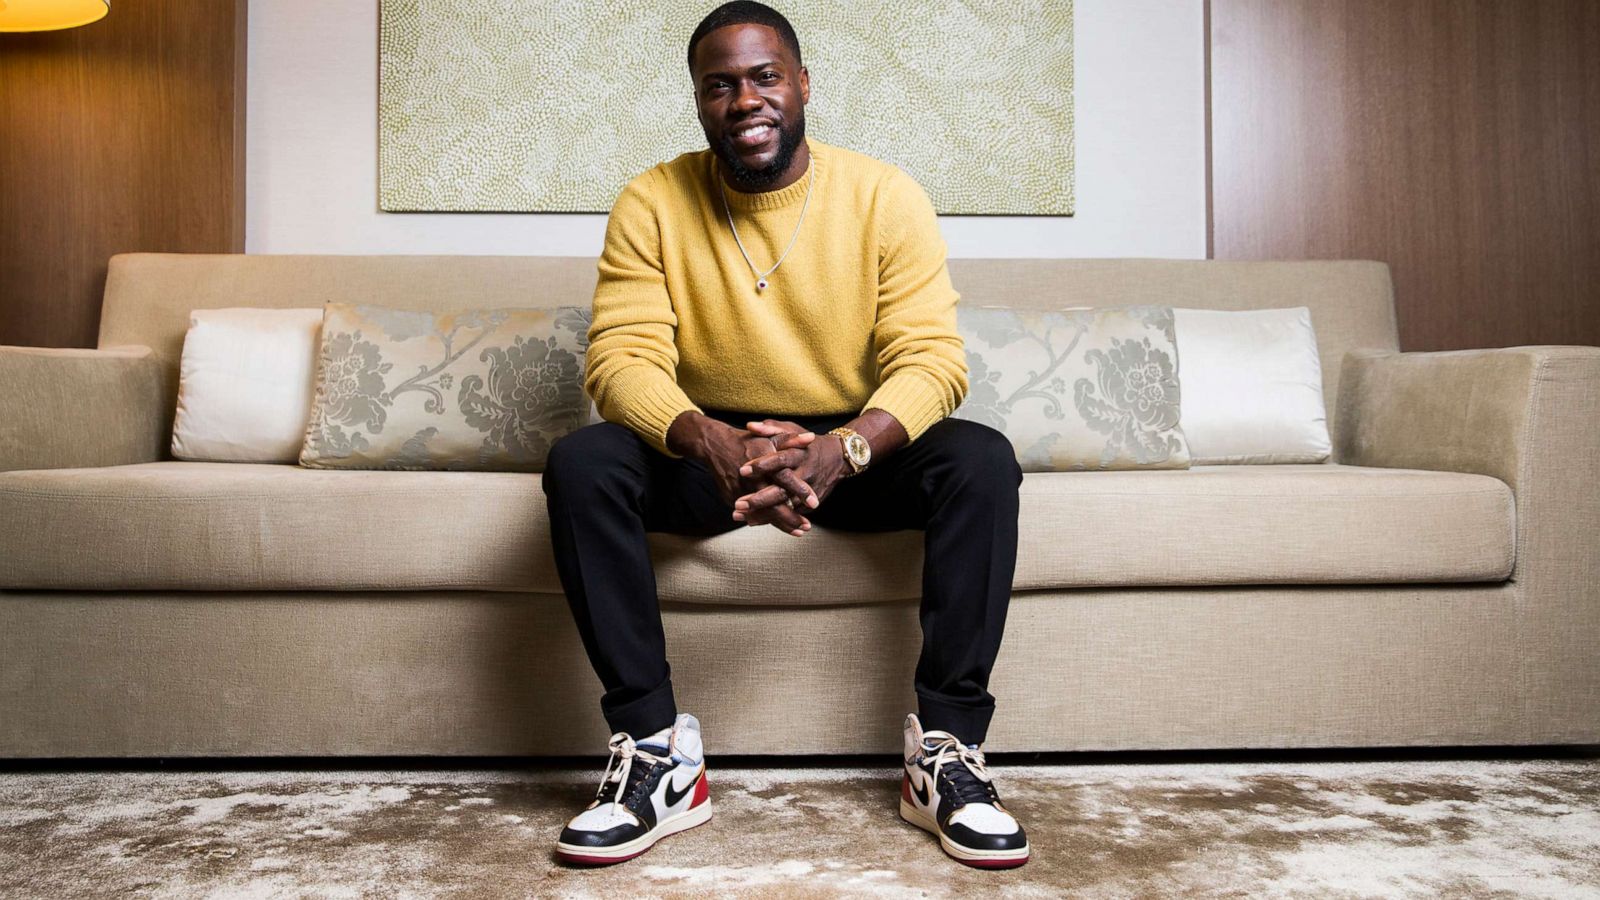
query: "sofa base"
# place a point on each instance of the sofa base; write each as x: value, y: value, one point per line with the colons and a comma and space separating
x: 480, y: 673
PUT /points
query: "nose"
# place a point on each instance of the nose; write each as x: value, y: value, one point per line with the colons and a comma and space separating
x: 748, y: 99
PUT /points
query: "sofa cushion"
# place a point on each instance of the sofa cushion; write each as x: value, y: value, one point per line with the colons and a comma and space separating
x: 248, y: 526
x: 245, y: 384
x: 1077, y: 389
x: 487, y: 390
x: 1252, y: 386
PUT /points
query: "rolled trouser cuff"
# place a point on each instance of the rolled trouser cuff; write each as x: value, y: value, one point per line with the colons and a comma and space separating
x: 645, y: 715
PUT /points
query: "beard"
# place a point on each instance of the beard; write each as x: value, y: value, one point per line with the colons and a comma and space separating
x: 744, y: 177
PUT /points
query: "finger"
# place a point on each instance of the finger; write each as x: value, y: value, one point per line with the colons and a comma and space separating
x: 758, y: 517
x: 762, y: 466
x: 754, y: 449
x: 778, y: 431
x: 785, y: 442
x: 768, y: 426
x: 790, y: 439
x: 782, y: 518
x: 790, y: 519
x: 771, y: 495
x: 797, y: 487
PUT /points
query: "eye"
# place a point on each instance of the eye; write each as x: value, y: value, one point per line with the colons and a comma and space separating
x: 774, y: 75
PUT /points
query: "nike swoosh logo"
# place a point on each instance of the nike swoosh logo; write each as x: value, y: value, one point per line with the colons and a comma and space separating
x: 920, y: 791
x: 674, y: 796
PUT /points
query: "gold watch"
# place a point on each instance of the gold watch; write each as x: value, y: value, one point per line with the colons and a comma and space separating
x: 857, y: 452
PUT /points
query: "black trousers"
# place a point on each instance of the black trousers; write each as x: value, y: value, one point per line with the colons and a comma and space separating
x: 957, y: 482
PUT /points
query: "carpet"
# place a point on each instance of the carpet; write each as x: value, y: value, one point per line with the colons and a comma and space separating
x: 1424, y: 828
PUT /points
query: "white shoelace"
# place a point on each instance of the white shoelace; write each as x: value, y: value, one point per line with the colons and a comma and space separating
x: 623, y: 749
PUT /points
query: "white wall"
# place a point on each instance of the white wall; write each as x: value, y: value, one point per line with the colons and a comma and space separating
x: 312, y: 155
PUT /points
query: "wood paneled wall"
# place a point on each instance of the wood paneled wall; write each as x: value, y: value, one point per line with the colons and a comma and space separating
x: 1457, y: 140
x: 126, y: 134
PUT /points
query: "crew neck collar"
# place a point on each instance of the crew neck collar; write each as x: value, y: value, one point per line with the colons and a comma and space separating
x: 794, y: 193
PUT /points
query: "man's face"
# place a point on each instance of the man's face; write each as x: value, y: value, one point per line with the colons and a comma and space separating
x: 751, y: 96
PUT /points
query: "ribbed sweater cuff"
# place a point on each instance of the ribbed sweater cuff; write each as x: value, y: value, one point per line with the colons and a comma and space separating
x: 650, y: 406
x: 911, y: 398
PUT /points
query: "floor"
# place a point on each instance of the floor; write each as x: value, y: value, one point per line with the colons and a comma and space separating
x: 1297, y: 827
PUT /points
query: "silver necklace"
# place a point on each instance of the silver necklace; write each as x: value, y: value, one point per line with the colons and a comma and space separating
x: 761, y: 277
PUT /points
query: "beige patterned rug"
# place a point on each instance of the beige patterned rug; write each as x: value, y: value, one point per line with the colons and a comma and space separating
x: 1424, y: 828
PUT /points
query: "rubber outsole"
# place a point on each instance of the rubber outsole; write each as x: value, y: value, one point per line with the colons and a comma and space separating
x: 598, y: 856
x: 981, y: 859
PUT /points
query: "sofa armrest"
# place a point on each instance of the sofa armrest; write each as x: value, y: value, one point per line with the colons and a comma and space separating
x: 1516, y: 413
x: 1529, y: 416
x: 67, y: 407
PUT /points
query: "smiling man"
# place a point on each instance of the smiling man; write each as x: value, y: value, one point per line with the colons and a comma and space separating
x: 774, y: 343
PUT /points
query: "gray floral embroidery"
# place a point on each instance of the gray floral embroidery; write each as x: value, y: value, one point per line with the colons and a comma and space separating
x: 351, y: 393
x: 576, y: 320
x: 331, y: 441
x: 983, y: 392
x: 995, y: 327
x: 414, y: 452
x: 1137, y: 403
x: 1026, y: 373
x: 1161, y: 318
x: 1040, y: 454
x: 424, y: 380
x: 534, y: 391
x: 532, y: 396
x: 357, y: 396
x: 1002, y: 330
x: 355, y: 382
x: 1164, y: 320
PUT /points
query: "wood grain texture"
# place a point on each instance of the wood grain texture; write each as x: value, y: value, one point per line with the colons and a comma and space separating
x: 123, y: 135
x: 1457, y: 140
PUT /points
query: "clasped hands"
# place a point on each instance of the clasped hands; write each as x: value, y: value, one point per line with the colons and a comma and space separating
x: 774, y: 470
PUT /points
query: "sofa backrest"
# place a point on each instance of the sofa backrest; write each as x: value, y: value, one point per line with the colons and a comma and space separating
x: 149, y: 295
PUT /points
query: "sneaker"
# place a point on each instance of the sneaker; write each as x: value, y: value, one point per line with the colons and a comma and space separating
x: 947, y: 790
x: 650, y: 789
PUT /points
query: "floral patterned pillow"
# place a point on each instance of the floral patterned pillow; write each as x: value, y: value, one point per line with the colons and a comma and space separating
x: 1076, y: 389
x: 476, y: 390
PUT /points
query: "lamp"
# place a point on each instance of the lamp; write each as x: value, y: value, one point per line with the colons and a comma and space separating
x: 46, y: 15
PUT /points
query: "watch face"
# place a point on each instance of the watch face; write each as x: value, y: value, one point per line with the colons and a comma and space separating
x: 860, y: 451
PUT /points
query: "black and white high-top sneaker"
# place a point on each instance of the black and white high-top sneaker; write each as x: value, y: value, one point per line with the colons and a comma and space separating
x: 947, y: 790
x: 650, y: 789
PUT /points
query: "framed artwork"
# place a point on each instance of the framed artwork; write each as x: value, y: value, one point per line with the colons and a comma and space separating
x: 554, y: 105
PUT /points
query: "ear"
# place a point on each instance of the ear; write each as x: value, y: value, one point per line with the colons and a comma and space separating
x: 694, y: 97
x: 805, y: 86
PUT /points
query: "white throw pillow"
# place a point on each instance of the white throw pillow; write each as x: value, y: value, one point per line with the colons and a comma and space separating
x: 1252, y: 386
x: 245, y: 384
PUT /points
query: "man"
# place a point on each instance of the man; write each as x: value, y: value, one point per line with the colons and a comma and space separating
x: 772, y: 276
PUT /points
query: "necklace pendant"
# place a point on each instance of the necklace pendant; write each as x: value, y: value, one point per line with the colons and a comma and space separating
x: 761, y: 284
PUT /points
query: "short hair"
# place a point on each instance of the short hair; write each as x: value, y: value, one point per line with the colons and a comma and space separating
x: 745, y: 12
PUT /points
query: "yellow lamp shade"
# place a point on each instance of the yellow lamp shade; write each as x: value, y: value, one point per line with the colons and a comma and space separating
x: 47, y: 15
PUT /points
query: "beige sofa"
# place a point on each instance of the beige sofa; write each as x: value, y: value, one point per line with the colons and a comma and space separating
x: 1435, y: 583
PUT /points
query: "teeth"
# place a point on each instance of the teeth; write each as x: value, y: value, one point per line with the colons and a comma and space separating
x: 757, y: 131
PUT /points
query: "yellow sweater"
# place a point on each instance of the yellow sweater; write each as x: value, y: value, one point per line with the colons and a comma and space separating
x: 860, y: 314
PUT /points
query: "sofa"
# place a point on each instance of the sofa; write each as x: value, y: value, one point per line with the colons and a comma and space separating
x: 1435, y: 582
